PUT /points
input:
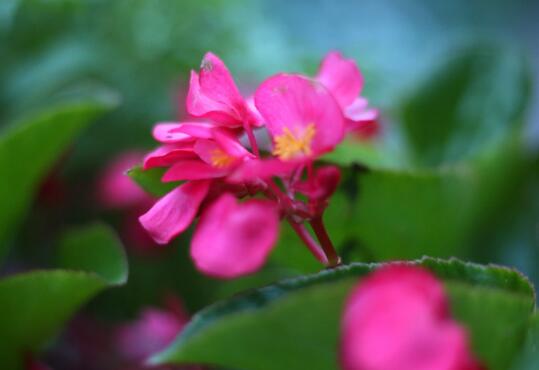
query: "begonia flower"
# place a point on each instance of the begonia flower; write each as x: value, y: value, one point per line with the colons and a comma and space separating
x: 214, y: 95
x: 398, y: 318
x: 302, y: 117
x: 344, y: 80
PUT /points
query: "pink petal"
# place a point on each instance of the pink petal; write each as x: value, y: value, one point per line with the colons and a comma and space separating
x: 398, y: 318
x: 173, y: 213
x: 262, y: 169
x: 234, y: 239
x: 166, y: 155
x: 296, y: 103
x: 164, y: 133
x: 342, y: 77
x: 115, y: 188
x: 213, y: 94
x: 192, y: 169
x: 198, y: 130
x: 153, y: 331
x: 359, y: 110
x: 231, y: 145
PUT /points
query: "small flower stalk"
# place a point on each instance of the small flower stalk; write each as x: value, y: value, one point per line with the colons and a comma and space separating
x: 246, y: 163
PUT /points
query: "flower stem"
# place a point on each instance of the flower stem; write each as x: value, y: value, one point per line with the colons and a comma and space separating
x: 313, y: 246
x: 322, y: 235
x: 252, y: 139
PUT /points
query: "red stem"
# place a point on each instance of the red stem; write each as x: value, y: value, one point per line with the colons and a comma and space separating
x: 313, y: 246
x: 322, y: 235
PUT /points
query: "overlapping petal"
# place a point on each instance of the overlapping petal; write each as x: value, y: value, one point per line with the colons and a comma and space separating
x: 342, y: 77
x: 234, y: 239
x: 173, y: 213
x: 213, y: 94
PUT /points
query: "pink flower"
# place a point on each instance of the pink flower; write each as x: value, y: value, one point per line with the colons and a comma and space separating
x: 234, y: 239
x: 152, y: 332
x: 115, y: 189
x: 304, y: 120
x: 301, y: 115
x: 214, y: 95
x: 344, y: 79
x: 398, y: 319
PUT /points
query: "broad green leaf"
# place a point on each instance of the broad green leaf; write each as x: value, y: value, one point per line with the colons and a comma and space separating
x: 29, y: 148
x: 294, y: 324
x: 94, y: 248
x: 529, y: 358
x: 36, y: 304
x: 150, y: 180
x: 471, y: 102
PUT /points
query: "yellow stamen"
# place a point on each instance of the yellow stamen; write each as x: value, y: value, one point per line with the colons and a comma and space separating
x: 220, y: 159
x: 289, y: 145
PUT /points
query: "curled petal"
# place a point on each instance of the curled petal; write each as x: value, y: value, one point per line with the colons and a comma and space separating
x: 301, y: 115
x: 173, y: 213
x: 213, y: 93
x: 341, y: 77
x: 192, y: 169
x: 164, y: 133
x: 234, y: 239
x: 167, y: 155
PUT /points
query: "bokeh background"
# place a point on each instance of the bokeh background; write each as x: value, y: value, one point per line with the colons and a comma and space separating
x: 455, y: 171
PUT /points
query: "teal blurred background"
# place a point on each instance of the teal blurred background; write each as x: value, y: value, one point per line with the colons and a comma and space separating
x: 455, y: 172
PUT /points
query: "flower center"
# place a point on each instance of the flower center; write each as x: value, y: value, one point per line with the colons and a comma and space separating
x: 292, y: 144
x: 220, y: 159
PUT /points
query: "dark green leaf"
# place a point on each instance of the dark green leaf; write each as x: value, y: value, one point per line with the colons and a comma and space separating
x: 468, y: 104
x: 36, y: 304
x: 94, y: 248
x: 150, y: 180
x: 529, y: 358
x: 29, y: 148
x: 295, y: 324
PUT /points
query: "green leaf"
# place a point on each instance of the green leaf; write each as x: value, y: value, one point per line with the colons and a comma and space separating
x: 94, y: 248
x: 150, y: 180
x: 29, y: 148
x: 529, y: 358
x: 36, y: 304
x: 469, y: 103
x: 294, y: 324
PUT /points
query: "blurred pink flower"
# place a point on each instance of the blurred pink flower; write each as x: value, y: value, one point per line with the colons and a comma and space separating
x: 115, y: 188
x: 398, y: 319
x: 344, y: 80
x: 152, y: 332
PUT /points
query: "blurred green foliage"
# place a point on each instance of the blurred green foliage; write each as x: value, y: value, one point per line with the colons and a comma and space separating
x: 454, y: 173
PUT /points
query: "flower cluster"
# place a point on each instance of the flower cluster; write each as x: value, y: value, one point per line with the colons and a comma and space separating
x: 399, y: 318
x: 262, y: 148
